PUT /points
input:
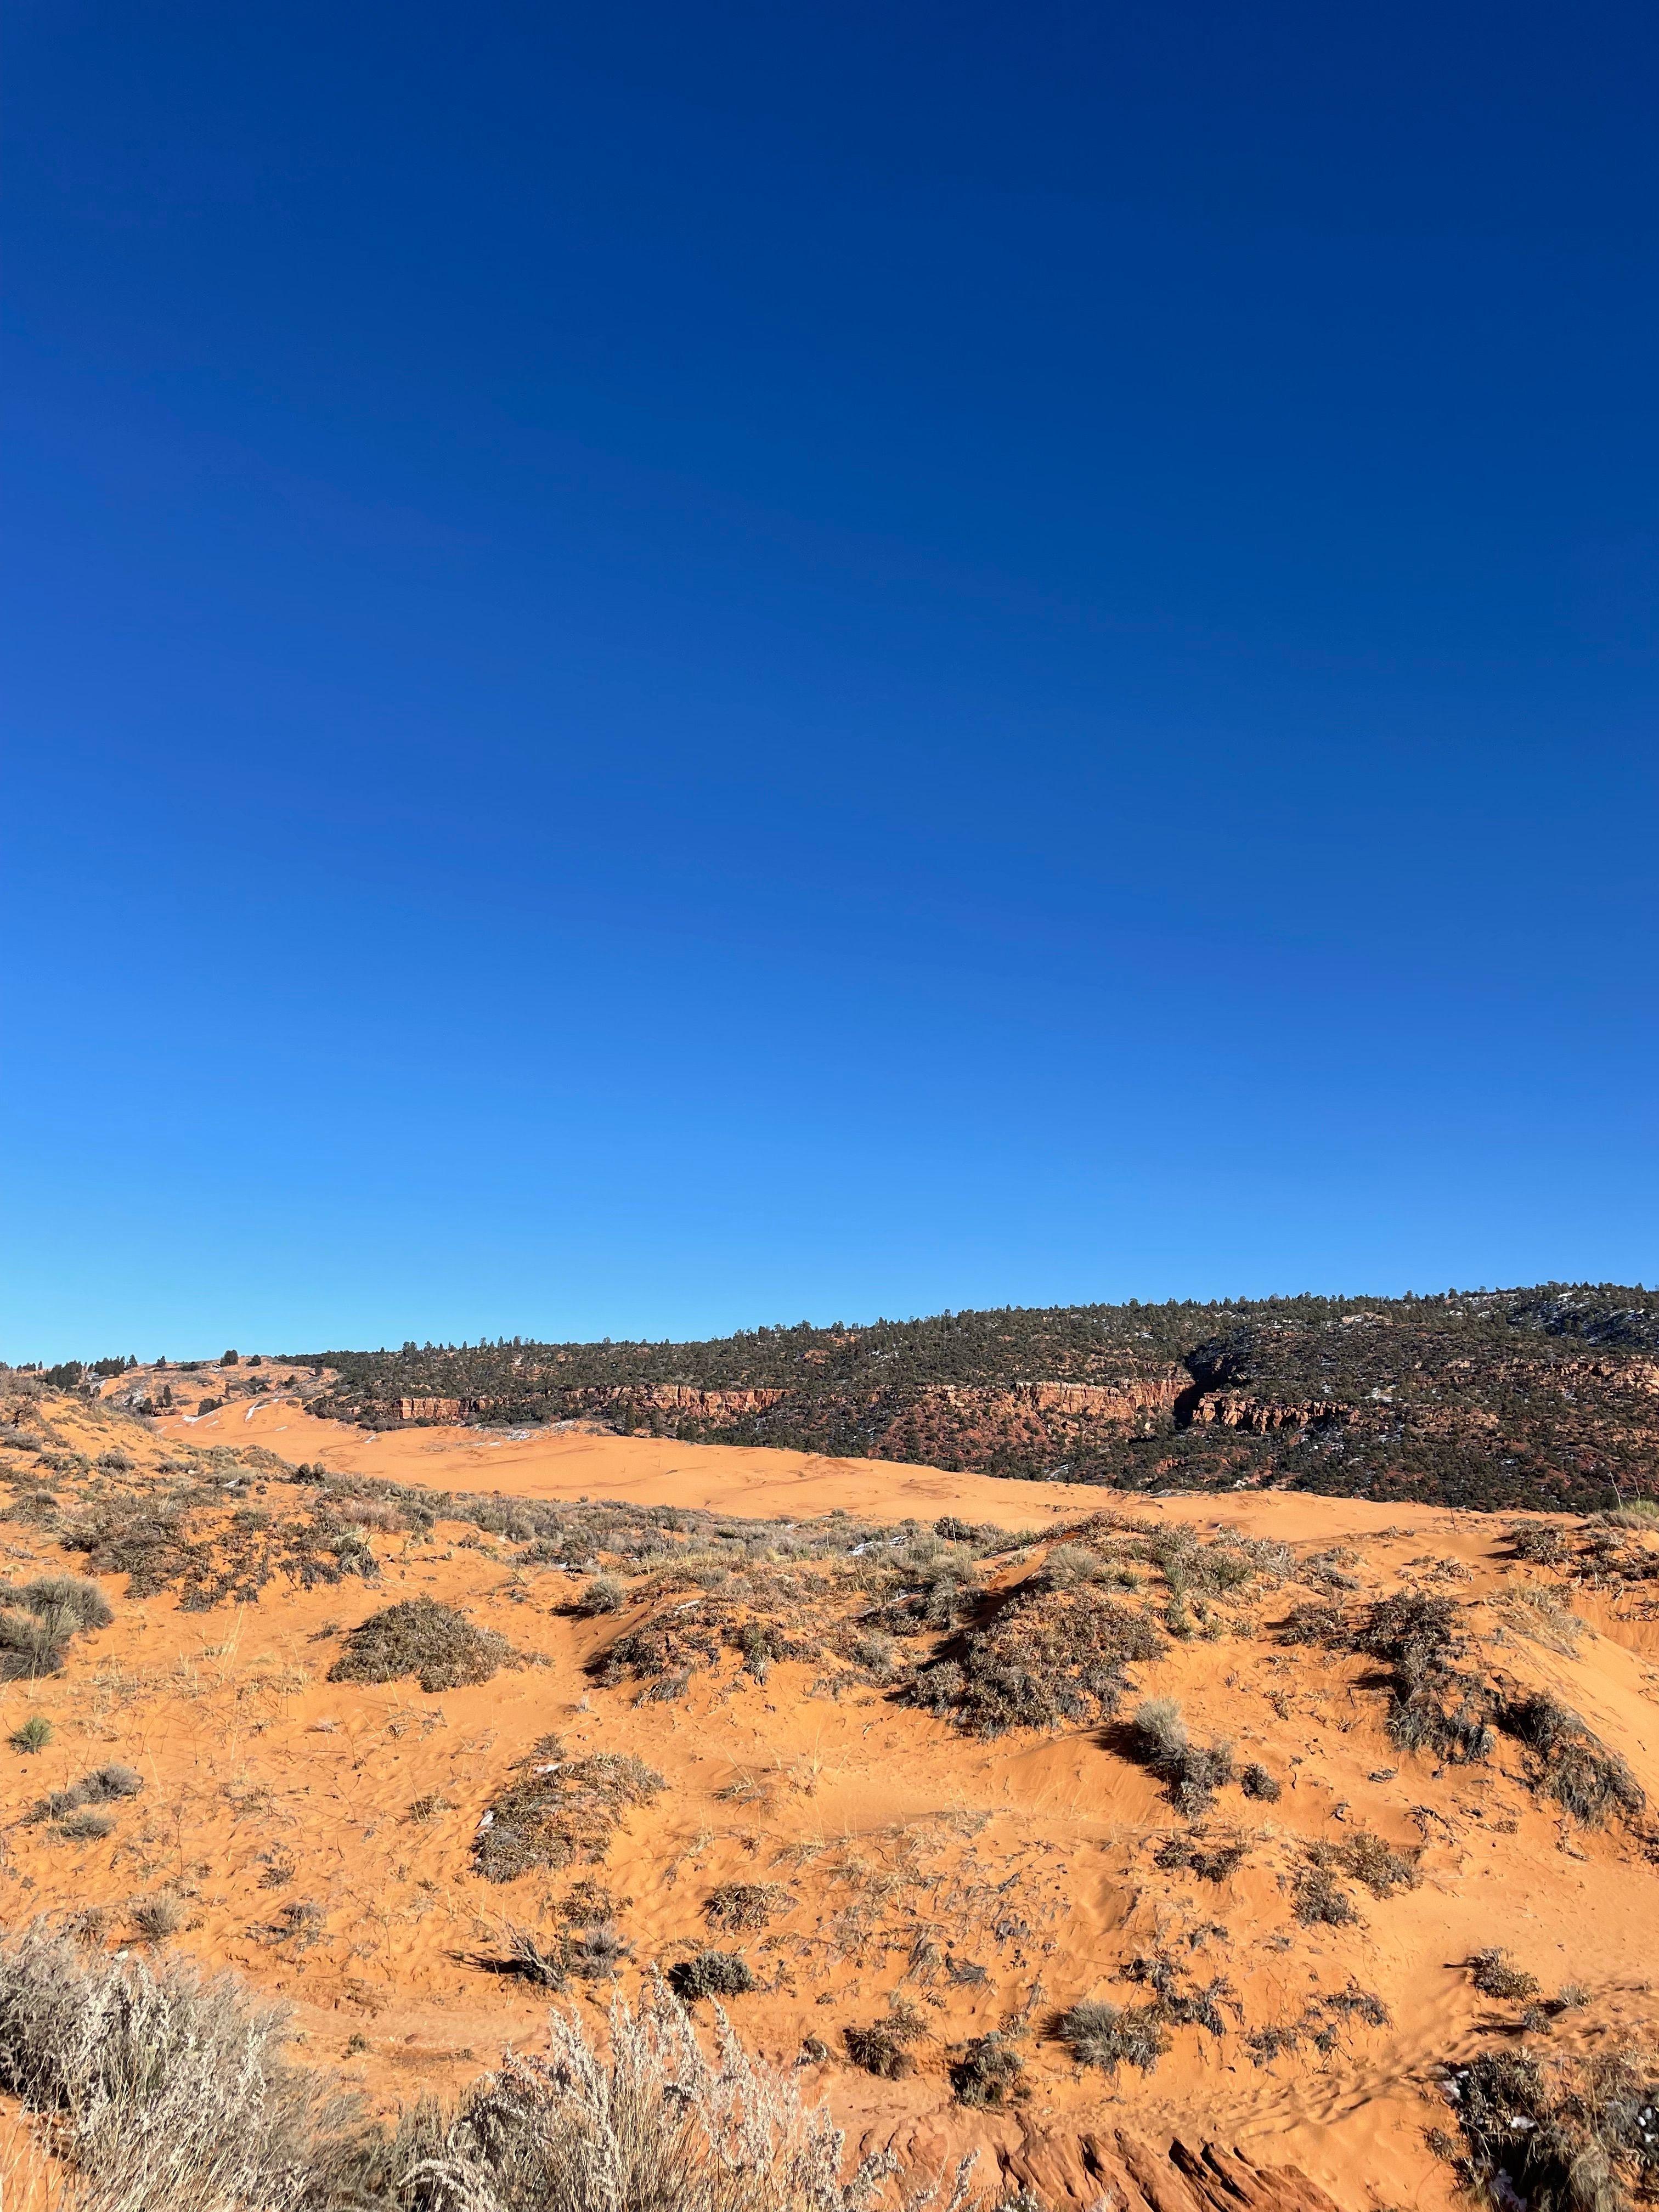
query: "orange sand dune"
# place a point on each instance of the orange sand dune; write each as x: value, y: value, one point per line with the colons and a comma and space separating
x: 1030, y: 1855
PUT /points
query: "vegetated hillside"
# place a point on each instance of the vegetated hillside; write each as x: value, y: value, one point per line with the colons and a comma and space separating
x: 1302, y: 1825
x: 1548, y: 1396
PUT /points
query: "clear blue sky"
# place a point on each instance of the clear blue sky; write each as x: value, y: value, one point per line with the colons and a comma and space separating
x: 670, y: 666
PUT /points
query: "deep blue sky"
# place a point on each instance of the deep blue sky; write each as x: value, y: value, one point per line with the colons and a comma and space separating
x: 668, y: 667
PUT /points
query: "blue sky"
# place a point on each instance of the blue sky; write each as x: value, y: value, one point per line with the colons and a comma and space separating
x: 669, y: 668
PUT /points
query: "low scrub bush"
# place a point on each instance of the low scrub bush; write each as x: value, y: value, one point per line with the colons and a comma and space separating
x: 883, y: 2048
x: 651, y: 2124
x: 988, y: 2073
x: 560, y: 1812
x: 1367, y: 1858
x: 1571, y: 1765
x: 39, y: 1623
x: 1109, y: 2036
x: 1192, y: 1771
x: 1321, y: 1901
x: 1574, y: 2135
x: 711, y: 1974
x: 1495, y: 1974
x: 31, y: 1735
x: 745, y: 1907
x: 435, y: 1643
x: 1051, y: 1658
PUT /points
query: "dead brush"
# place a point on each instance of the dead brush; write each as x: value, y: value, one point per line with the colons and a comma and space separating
x: 560, y: 1812
x: 1210, y: 1863
x: 745, y: 1907
x: 440, y: 1647
x: 39, y: 1623
x: 711, y: 1974
x: 883, y: 2047
x: 988, y: 2074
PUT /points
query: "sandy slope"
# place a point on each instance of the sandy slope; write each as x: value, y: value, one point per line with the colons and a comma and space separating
x: 1030, y: 1855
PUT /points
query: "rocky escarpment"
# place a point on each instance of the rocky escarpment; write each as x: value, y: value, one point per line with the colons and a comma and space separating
x: 1548, y: 1397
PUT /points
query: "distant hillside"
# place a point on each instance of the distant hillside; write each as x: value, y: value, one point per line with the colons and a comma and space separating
x: 1548, y: 1396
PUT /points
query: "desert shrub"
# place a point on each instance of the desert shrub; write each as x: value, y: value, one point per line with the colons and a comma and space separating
x: 1109, y: 2036
x: 602, y: 1594
x: 1321, y: 1901
x: 1367, y: 1858
x: 1581, y: 2135
x: 72, y: 1809
x: 987, y: 2074
x: 1256, y: 1782
x: 1495, y: 1974
x: 746, y: 1907
x: 298, y: 1924
x: 711, y: 1974
x: 1051, y: 1658
x: 32, y: 1735
x: 1570, y: 1764
x: 1192, y: 1771
x: 1178, y: 2000
x: 1540, y: 1542
x: 1211, y: 1862
x: 883, y: 2048
x: 168, y: 2091
x: 652, y: 2125
x: 435, y: 1643
x: 560, y: 1812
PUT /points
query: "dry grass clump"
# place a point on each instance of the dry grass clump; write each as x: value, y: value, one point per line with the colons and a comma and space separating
x: 1576, y: 2136
x: 1571, y: 1765
x: 1109, y: 2036
x: 711, y: 1974
x: 73, y: 1813
x: 39, y: 1623
x: 1495, y: 1974
x: 653, y: 2125
x: 1192, y: 1771
x: 1256, y: 1782
x: 1321, y: 2023
x: 440, y: 1647
x: 560, y: 1812
x: 745, y: 1907
x: 158, y: 1918
x: 31, y: 1735
x: 1052, y: 1657
x: 167, y: 2092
